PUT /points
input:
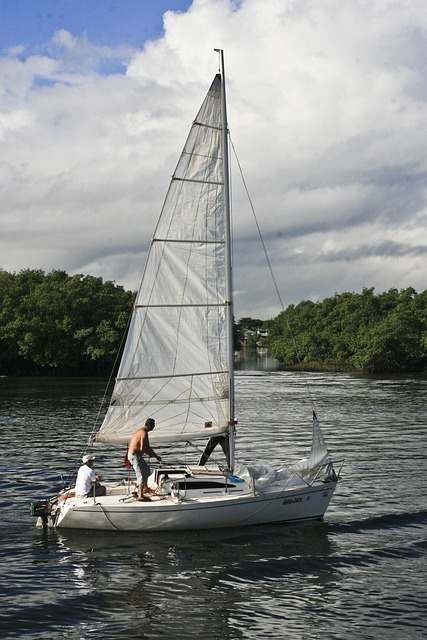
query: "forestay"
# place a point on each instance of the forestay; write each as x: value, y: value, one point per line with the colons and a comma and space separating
x: 175, y: 362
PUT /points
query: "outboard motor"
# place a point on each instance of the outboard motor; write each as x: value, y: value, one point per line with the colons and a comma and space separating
x: 41, y: 510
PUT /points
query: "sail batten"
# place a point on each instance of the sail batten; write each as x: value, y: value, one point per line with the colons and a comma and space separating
x: 208, y: 126
x: 196, y: 181
x: 176, y: 240
x: 166, y: 377
x: 166, y: 306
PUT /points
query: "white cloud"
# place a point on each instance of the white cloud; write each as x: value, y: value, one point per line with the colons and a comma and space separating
x: 328, y: 112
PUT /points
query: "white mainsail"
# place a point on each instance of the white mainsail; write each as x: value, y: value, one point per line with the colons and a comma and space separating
x: 175, y: 365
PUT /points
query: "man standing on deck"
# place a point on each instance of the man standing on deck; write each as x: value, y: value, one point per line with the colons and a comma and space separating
x: 212, y: 443
x: 138, y: 445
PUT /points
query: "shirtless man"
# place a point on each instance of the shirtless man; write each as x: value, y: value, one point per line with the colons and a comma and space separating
x: 138, y: 445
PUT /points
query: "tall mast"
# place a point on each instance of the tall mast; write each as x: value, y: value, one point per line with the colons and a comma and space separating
x: 228, y: 262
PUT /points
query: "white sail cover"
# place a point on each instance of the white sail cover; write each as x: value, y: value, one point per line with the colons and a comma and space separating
x: 309, y: 468
x: 319, y: 454
x: 175, y: 362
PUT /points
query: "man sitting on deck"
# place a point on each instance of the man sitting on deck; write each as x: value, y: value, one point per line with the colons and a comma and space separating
x: 87, y: 482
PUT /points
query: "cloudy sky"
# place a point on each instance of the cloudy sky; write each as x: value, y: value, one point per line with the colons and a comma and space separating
x: 327, y: 112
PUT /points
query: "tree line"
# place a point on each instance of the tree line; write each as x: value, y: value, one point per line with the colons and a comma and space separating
x: 56, y: 324
x: 364, y: 331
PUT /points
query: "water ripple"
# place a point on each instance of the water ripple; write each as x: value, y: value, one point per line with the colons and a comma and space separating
x: 359, y: 574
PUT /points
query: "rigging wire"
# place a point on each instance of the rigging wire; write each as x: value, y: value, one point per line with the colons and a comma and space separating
x: 272, y: 272
x: 109, y: 382
x: 71, y: 473
x: 257, y: 226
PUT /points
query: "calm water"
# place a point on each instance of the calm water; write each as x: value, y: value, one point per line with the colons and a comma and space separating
x: 361, y: 573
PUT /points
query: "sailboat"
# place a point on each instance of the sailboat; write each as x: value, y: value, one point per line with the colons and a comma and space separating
x: 177, y: 367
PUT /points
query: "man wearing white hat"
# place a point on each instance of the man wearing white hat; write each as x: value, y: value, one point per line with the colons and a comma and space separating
x: 87, y: 480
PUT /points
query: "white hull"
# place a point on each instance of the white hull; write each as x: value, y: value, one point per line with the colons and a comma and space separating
x: 120, y: 511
